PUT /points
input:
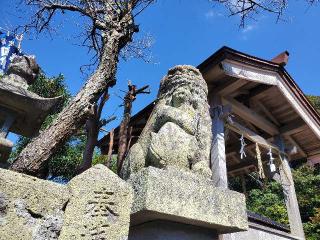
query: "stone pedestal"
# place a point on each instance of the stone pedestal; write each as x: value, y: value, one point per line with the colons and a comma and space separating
x: 168, y: 204
x: 99, y: 206
x: 30, y: 208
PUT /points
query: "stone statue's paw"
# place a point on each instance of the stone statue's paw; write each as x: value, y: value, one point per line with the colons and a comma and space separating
x: 170, y: 146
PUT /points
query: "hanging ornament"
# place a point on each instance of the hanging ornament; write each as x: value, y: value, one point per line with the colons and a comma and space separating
x: 243, y: 144
x: 271, y: 163
x: 260, y: 165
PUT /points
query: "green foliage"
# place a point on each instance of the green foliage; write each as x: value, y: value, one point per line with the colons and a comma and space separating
x: 307, y: 184
x: 65, y: 161
x: 50, y: 88
x: 312, y: 228
x: 268, y: 202
x: 98, y: 158
x: 315, y: 100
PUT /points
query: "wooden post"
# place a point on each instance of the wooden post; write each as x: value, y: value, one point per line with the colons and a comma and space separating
x: 286, y: 180
x: 218, y: 154
x: 110, y: 150
x: 243, y: 184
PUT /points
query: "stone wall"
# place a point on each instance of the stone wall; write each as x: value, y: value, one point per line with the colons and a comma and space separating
x: 94, y: 205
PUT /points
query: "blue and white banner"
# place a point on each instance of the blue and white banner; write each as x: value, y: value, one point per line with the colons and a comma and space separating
x: 8, y: 49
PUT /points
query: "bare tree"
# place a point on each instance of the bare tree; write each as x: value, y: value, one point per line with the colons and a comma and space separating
x: 111, y: 28
x: 247, y: 9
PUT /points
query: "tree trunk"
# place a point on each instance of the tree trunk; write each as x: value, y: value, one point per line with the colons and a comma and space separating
x: 111, y: 135
x: 92, y: 129
x: 34, y: 157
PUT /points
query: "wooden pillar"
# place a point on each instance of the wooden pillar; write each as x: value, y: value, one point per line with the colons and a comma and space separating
x: 286, y: 180
x: 218, y: 154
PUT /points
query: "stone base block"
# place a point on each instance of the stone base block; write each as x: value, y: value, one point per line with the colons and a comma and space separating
x: 183, y: 197
x: 30, y: 208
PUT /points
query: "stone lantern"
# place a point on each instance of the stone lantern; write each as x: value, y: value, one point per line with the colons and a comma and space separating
x: 21, y: 111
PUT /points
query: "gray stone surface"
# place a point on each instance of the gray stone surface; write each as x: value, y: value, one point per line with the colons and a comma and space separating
x: 178, y: 132
x: 184, y: 197
x: 99, y: 207
x: 164, y: 230
x: 22, y: 71
x: 30, y: 208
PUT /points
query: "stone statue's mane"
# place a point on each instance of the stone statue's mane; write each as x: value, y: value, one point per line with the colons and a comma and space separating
x: 170, y: 83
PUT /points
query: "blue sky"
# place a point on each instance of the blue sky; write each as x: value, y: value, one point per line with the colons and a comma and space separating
x: 185, y: 32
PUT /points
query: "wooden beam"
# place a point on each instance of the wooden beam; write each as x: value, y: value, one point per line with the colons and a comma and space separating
x: 260, y: 91
x: 314, y: 153
x: 229, y: 88
x: 241, y: 166
x: 233, y: 155
x: 257, y: 92
x: 293, y: 127
x: 242, y: 70
x: 300, y: 150
x: 267, y: 112
x: 251, y: 116
x: 251, y: 135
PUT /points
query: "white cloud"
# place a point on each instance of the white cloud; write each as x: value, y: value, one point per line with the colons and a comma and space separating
x: 212, y: 14
x: 248, y: 28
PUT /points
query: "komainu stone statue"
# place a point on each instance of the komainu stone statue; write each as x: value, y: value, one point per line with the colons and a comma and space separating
x: 178, y: 132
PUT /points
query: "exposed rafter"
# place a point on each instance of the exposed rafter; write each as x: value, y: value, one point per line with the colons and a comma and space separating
x: 258, y: 92
x: 249, y: 115
x: 229, y: 88
x: 295, y: 126
x: 267, y: 112
x: 293, y: 142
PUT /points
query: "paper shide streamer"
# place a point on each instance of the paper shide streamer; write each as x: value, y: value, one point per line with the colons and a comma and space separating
x: 242, y: 150
x: 271, y: 161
